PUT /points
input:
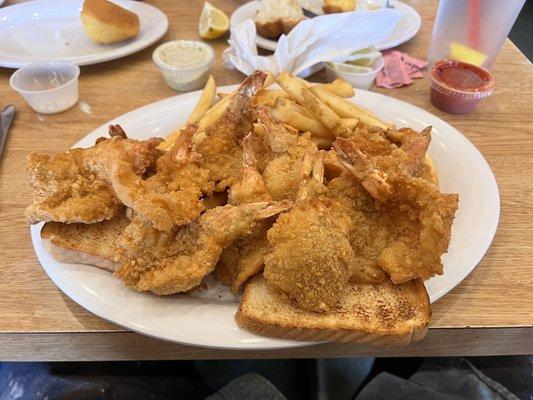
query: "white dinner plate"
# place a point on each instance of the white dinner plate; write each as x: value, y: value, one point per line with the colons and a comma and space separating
x: 52, y: 30
x: 406, y: 29
x: 206, y: 318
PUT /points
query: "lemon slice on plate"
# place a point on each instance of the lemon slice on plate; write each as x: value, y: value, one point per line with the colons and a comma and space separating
x: 213, y: 22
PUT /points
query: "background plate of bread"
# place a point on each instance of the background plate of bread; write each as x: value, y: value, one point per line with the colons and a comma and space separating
x: 83, y: 32
x: 276, y: 17
x: 381, y: 314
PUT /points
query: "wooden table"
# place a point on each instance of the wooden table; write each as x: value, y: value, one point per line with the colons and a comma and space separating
x: 489, y: 313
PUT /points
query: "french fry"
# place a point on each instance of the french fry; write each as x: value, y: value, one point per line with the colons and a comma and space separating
x: 305, y: 83
x: 210, y: 118
x: 264, y: 101
x: 338, y: 87
x: 262, y: 97
x: 205, y: 101
x: 220, y: 105
x: 270, y: 79
x: 346, y: 109
x: 169, y: 141
x: 300, y: 122
x: 203, y: 105
x: 285, y: 102
x: 351, y: 123
x: 305, y: 97
x: 268, y: 97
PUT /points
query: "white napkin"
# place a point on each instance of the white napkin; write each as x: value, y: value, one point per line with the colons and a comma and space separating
x: 330, y: 37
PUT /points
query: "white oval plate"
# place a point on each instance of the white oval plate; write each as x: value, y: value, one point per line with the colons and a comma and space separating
x: 206, y: 318
x: 52, y: 30
x: 406, y: 29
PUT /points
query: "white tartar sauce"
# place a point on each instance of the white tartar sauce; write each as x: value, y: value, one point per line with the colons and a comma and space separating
x: 185, y: 64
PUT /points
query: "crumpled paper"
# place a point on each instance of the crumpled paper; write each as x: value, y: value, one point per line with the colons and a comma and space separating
x: 330, y: 37
x: 399, y: 69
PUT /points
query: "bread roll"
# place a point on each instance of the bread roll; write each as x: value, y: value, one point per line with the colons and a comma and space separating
x: 276, y: 17
x: 106, y: 23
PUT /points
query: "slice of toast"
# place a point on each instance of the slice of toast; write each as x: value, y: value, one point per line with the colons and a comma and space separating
x: 92, y: 244
x: 276, y: 17
x: 383, y: 314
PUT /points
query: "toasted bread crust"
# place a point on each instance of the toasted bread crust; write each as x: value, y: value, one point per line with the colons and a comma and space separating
x: 324, y: 335
x: 271, y: 29
x: 277, y: 17
x: 331, y: 9
x: 72, y: 256
x: 92, y: 244
x: 274, y: 29
x: 301, y: 326
x: 288, y: 25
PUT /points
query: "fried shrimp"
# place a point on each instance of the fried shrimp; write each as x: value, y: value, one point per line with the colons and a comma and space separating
x: 411, y: 219
x: 283, y: 161
x: 171, y: 196
x: 76, y: 186
x: 311, y: 256
x: 221, y: 150
x: 245, y: 257
x: 167, y: 262
x: 372, y: 155
x: 370, y: 232
x: 251, y: 187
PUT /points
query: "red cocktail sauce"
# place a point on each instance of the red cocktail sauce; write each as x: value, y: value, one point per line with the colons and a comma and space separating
x: 457, y: 87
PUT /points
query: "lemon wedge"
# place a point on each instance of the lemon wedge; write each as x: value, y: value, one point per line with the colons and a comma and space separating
x: 213, y: 22
x: 463, y: 53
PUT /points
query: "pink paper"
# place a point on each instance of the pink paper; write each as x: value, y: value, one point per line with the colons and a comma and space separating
x: 399, y: 69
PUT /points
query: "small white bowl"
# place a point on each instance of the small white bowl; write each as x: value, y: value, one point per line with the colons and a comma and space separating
x: 359, y: 80
x: 49, y: 87
x: 185, y: 64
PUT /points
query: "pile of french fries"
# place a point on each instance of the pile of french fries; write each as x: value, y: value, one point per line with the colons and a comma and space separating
x: 320, y: 109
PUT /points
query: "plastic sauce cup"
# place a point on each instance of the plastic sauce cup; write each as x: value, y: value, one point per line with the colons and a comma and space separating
x: 49, y: 87
x: 361, y: 80
x: 457, y: 87
x: 185, y: 64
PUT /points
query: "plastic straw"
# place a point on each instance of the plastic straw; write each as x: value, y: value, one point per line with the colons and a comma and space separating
x: 474, y: 24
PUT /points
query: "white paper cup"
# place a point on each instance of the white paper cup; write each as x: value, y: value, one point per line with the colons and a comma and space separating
x: 49, y: 87
x: 358, y: 80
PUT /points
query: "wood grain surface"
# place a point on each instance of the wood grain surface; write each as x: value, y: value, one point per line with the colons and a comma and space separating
x: 38, y: 322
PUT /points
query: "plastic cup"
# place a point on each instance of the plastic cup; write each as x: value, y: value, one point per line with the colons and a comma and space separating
x: 472, y: 31
x: 49, y: 87
x: 191, y: 73
x: 457, y: 87
x: 359, y: 80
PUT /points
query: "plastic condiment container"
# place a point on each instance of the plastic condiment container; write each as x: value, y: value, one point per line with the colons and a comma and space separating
x: 361, y: 80
x: 49, y: 87
x: 185, y: 64
x: 457, y: 87
x: 472, y: 31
